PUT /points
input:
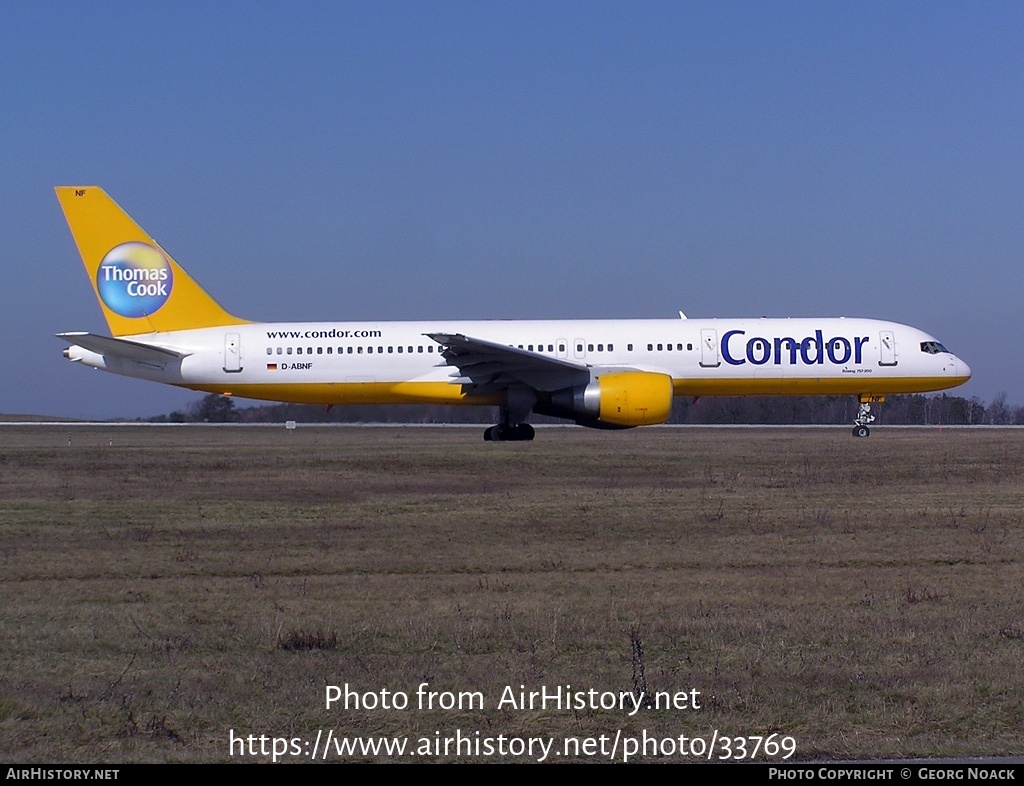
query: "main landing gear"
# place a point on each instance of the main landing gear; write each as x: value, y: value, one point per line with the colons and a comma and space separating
x: 864, y: 416
x: 522, y: 432
x: 519, y: 402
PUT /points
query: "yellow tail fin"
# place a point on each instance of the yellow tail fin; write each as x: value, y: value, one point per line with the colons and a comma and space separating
x: 140, y: 288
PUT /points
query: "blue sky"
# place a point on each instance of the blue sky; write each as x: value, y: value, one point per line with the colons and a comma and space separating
x: 350, y: 161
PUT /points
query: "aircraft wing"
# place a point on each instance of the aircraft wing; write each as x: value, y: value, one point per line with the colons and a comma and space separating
x: 489, y: 366
x: 122, y: 348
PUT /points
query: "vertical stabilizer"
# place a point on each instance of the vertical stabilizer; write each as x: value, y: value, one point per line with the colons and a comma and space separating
x: 140, y: 288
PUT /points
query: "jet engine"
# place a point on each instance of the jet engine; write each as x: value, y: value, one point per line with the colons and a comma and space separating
x: 620, y: 399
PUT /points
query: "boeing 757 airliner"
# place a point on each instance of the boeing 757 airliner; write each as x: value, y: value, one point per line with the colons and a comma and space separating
x: 598, y: 373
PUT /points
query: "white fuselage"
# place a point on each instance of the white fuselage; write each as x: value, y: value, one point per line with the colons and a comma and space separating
x: 396, y: 362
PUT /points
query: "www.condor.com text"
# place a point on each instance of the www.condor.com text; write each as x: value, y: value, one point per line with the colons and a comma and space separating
x: 459, y: 744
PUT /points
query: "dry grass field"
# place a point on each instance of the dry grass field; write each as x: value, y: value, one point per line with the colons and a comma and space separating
x: 160, y: 587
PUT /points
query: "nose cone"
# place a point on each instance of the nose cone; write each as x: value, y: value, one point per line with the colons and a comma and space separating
x: 961, y: 370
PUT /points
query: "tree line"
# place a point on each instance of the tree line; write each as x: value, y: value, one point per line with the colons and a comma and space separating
x: 914, y: 410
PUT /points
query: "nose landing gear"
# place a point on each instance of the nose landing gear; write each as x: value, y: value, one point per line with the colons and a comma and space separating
x: 864, y: 416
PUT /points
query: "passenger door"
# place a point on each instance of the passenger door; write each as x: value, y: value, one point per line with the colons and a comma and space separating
x: 709, y: 348
x: 887, y: 348
x: 232, y: 353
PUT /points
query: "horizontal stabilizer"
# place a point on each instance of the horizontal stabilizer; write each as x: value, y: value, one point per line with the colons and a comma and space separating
x: 122, y: 348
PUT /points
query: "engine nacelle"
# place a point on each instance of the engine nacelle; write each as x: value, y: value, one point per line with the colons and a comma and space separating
x: 622, y: 398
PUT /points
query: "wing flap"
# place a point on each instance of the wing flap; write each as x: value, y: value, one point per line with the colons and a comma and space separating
x: 490, y: 366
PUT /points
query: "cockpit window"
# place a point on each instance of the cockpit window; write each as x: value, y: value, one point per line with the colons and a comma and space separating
x: 932, y: 347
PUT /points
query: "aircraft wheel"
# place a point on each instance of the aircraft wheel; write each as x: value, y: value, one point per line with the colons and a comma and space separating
x: 501, y: 433
x: 861, y: 431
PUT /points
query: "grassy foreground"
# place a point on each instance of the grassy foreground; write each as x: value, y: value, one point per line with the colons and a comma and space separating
x: 162, y: 587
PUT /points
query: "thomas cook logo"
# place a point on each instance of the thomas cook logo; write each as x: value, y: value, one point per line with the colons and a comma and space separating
x: 134, y: 279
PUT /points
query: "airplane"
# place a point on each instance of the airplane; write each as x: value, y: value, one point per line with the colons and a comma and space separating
x: 612, y: 374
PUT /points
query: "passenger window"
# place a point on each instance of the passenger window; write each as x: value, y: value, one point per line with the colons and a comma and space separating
x: 298, y: 351
x: 629, y: 347
x: 369, y: 350
x: 611, y: 348
x: 330, y: 350
x: 689, y: 347
x: 270, y: 351
x: 319, y: 350
x: 600, y: 347
x: 590, y: 347
x: 359, y: 350
x: 659, y: 347
x: 561, y: 347
x: 289, y: 350
x: 650, y: 347
x: 279, y: 350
